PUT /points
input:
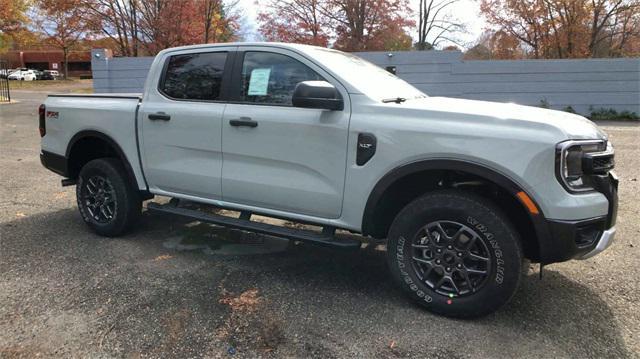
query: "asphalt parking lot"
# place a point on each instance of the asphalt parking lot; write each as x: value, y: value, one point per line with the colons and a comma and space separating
x: 178, y: 289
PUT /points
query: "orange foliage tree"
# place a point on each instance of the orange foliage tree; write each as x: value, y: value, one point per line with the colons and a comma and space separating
x: 62, y: 23
x: 351, y: 25
x: 148, y: 26
x: 14, y: 22
x: 297, y: 21
x: 219, y: 19
x: 567, y: 28
x: 370, y: 25
x: 117, y: 20
x: 165, y: 24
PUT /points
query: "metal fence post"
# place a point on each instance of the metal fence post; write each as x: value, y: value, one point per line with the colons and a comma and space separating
x: 5, y: 93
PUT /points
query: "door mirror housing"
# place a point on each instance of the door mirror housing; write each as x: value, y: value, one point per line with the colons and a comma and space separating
x: 317, y: 94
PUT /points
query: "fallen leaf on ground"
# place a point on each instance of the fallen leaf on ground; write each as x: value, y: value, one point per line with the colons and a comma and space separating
x: 163, y: 257
x: 60, y: 195
x: 247, y: 301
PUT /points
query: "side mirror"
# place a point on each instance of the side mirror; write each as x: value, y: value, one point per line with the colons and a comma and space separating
x: 317, y: 94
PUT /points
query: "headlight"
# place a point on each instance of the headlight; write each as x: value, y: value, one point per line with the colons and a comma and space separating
x: 577, y: 161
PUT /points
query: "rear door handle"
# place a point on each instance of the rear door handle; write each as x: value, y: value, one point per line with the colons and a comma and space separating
x: 160, y: 116
x: 244, y: 122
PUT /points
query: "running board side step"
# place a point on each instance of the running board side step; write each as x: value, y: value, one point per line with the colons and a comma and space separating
x: 326, y: 238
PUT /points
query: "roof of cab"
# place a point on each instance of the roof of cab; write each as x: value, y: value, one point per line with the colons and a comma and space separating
x: 285, y: 45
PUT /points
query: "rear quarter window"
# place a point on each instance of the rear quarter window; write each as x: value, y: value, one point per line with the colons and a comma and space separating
x: 194, y: 76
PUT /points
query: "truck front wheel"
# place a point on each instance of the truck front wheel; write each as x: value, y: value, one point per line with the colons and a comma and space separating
x: 107, y: 201
x: 455, y: 253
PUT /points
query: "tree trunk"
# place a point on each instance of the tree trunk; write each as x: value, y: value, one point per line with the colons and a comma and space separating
x: 420, y: 44
x: 65, y: 52
x: 134, y: 30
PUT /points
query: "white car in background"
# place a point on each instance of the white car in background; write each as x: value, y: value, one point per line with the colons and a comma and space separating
x: 22, y: 74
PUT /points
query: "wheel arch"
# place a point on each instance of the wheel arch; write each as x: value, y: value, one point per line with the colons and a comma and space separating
x: 97, y: 145
x: 404, y: 183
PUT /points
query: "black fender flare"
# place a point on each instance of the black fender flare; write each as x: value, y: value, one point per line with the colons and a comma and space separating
x: 96, y: 134
x: 487, y: 173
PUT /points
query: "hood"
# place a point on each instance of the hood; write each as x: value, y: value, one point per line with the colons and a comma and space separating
x: 573, y: 126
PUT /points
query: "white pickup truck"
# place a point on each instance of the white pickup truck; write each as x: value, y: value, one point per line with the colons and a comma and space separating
x: 462, y: 190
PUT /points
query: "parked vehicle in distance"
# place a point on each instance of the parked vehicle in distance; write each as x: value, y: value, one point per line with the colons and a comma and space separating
x: 51, y: 74
x: 463, y: 191
x: 44, y: 75
x: 23, y: 75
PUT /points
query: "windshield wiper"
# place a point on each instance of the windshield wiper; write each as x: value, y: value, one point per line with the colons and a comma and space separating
x: 395, y: 99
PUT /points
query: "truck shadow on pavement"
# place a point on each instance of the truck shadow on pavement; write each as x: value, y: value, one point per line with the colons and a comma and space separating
x: 343, y: 288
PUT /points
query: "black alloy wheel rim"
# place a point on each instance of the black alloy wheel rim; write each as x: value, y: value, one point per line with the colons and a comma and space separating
x: 99, y: 198
x: 451, y: 258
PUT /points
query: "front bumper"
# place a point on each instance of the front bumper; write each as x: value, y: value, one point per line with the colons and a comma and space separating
x: 603, y: 243
x: 582, y: 239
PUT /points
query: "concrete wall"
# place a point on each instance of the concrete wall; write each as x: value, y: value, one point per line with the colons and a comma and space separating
x: 597, y: 83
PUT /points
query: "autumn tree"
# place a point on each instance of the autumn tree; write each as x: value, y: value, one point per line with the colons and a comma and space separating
x: 568, y: 28
x: 62, y: 22
x: 117, y: 20
x: 13, y: 15
x: 393, y: 37
x: 435, y: 24
x: 615, y: 28
x: 297, y: 21
x: 167, y: 23
x: 350, y: 25
x: 366, y: 25
x: 152, y: 25
x: 14, y: 22
x: 219, y: 20
x: 505, y: 46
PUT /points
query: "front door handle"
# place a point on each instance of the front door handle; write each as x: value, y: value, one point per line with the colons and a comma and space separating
x: 243, y: 121
x: 160, y: 116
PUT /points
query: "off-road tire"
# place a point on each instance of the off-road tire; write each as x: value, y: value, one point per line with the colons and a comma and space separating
x: 126, y: 207
x: 494, y: 235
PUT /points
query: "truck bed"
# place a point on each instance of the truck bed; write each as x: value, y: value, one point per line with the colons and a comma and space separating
x: 132, y: 95
x: 111, y: 114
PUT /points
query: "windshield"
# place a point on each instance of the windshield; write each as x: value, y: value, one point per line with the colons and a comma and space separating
x: 368, y: 78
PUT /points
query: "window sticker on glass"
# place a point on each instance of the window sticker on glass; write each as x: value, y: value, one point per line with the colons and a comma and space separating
x: 259, y: 82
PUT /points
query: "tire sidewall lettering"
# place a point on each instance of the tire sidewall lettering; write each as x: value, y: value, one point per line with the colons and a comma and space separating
x: 400, y: 259
x: 497, y: 250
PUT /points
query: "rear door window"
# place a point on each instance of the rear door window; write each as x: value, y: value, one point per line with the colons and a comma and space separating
x: 194, y: 76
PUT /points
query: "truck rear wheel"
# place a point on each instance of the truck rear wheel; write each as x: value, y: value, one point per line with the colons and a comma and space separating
x: 455, y: 253
x: 107, y: 201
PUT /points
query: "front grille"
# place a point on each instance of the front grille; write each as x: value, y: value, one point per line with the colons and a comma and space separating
x: 605, y: 163
x: 598, y: 163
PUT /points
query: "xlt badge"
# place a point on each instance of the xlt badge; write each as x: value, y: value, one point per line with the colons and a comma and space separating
x: 366, y: 148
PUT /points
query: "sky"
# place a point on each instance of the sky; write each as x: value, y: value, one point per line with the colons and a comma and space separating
x: 467, y: 11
